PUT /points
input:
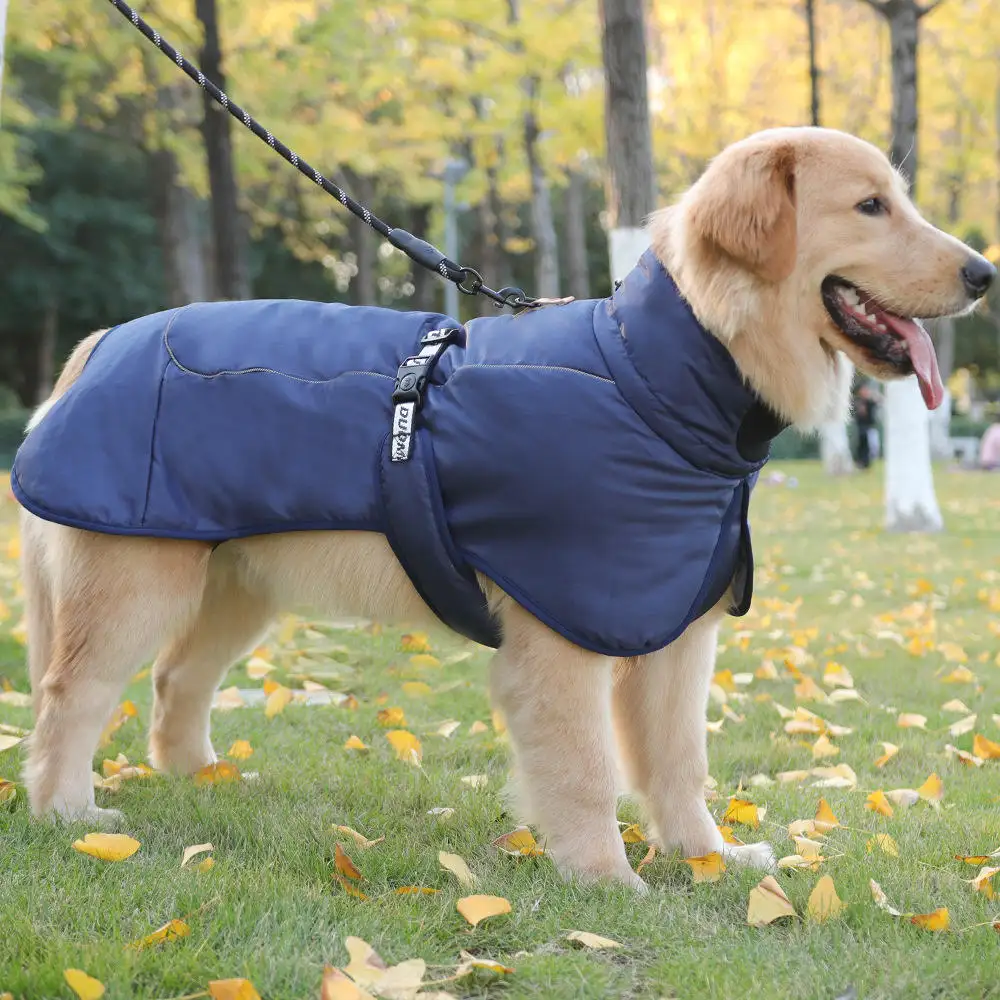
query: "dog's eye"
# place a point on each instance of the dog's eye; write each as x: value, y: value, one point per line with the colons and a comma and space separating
x: 872, y: 206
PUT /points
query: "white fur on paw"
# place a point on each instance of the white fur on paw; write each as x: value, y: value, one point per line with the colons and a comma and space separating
x: 103, y: 819
x: 752, y: 855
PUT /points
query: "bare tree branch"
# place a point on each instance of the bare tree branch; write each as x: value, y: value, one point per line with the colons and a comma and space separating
x: 927, y: 8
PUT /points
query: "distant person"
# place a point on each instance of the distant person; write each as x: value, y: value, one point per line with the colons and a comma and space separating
x: 865, y: 405
x: 989, y: 448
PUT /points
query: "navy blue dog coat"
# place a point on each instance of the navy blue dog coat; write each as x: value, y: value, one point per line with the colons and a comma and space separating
x: 594, y: 459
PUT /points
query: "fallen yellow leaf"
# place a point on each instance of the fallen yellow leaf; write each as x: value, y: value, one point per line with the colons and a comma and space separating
x: 258, y: 668
x: 447, y: 729
x: 84, y: 986
x: 8, y: 791
x: 593, y: 942
x: 232, y: 989
x: 337, y: 986
x: 825, y: 820
x: 354, y: 743
x: 519, y: 841
x: 885, y: 842
x: 477, y: 908
x: 8, y: 742
x: 646, y: 859
x: 478, y: 727
x: 939, y: 920
x: 742, y: 811
x: 983, y: 882
x: 632, y: 834
x: 470, y: 962
x: 349, y: 887
x: 415, y: 642
x: 416, y: 689
x: 220, y: 773
x: 881, y: 899
x: 984, y: 748
x: 824, y: 903
x: 344, y: 865
x: 391, y: 717
x: 911, y: 720
x: 890, y: 751
x: 277, y: 701
x: 877, y: 802
x: 406, y: 745
x: 955, y: 706
x: 953, y: 652
x: 107, y: 846
x: 240, y: 750
x: 359, y: 839
x: 170, y: 931
x: 190, y: 853
x: 707, y: 868
x: 932, y: 790
x: 963, y: 726
x: 960, y: 675
x: 425, y: 660
x: 768, y: 903
x: 415, y: 890
x: 457, y: 866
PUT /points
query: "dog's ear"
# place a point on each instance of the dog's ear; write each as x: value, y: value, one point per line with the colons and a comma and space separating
x: 744, y: 205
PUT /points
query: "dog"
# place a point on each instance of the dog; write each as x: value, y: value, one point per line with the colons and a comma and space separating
x: 797, y: 248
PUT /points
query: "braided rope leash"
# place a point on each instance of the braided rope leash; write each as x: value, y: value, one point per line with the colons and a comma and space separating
x: 467, y: 279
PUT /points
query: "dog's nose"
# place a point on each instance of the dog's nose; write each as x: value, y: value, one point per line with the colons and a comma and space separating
x: 977, y: 276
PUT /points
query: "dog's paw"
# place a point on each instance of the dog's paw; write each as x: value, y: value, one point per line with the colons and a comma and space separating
x: 95, y: 816
x: 751, y: 855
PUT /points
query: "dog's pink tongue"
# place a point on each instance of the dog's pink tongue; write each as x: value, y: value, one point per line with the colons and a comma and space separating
x: 921, y: 348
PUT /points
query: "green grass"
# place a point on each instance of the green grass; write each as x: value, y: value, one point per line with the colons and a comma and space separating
x: 270, y: 911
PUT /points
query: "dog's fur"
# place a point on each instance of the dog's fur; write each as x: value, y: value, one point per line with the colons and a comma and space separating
x: 748, y: 245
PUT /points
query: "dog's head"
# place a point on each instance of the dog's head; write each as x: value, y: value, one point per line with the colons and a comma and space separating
x: 799, y: 243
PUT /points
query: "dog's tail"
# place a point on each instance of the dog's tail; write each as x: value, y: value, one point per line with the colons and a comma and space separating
x: 69, y: 374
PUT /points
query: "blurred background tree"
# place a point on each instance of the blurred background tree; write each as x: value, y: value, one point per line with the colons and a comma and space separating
x: 114, y: 197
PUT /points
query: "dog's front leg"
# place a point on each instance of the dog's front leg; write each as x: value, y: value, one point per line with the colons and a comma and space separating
x: 660, y: 703
x: 556, y: 699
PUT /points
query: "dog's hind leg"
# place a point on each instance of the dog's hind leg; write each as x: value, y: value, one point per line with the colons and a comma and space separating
x: 660, y: 702
x: 115, y: 602
x: 556, y: 699
x: 37, y: 602
x: 230, y: 621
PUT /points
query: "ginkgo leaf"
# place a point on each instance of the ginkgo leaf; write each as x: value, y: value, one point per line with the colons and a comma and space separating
x: 768, y: 903
x: 84, y: 986
x: 804, y: 828
x: 742, y: 811
x: 415, y: 890
x: 792, y: 777
x: 457, y: 866
x: 354, y: 743
x: 232, y: 989
x: 963, y: 756
x: 963, y: 726
x: 837, y: 675
x: 839, y: 776
x: 349, y: 887
x: 881, y: 899
x: 877, y: 802
x: 707, y: 868
x: 478, y: 727
x: 824, y: 748
x: 984, y: 748
x: 960, y: 675
x: 593, y: 942
x: 240, y: 750
x: 447, y: 729
x: 107, y: 846
x: 824, y: 903
x: 337, y: 986
x: 477, y: 908
x: 8, y: 791
x: 393, y: 716
x: 632, y: 834
x: 911, y: 720
x: 425, y: 660
x: 415, y: 642
x: 344, y: 865
x: 258, y: 668
x: 952, y: 652
x: 983, y: 882
x: 518, y: 842
x: 220, y: 773
x: 885, y: 842
x: 470, y: 963
x: 476, y: 780
x: 955, y: 706
x: 890, y: 751
x: 728, y: 837
x: 277, y: 701
x: 939, y: 920
x: 228, y: 699
x: 190, y: 853
x: 646, y: 859
x: 825, y: 820
x: 416, y: 689
x: 808, y: 690
x: 406, y: 745
x: 170, y: 931
x: 932, y: 790
x: 8, y: 742
x: 360, y: 839
x: 903, y: 797
x: 796, y: 861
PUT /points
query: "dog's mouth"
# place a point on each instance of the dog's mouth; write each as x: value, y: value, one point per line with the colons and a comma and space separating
x: 890, y: 342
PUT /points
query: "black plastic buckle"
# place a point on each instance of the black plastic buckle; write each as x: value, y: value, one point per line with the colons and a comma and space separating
x: 411, y: 379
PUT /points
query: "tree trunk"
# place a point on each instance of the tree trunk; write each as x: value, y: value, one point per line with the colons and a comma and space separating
x: 577, y: 274
x: 813, y: 65
x: 230, y: 274
x: 364, y: 242
x: 542, y: 223
x: 45, y: 374
x: 910, y: 503
x: 630, y: 184
x: 835, y: 449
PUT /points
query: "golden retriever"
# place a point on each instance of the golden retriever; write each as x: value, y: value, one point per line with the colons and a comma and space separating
x: 796, y: 246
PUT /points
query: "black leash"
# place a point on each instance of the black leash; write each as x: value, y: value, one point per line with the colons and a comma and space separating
x: 468, y: 280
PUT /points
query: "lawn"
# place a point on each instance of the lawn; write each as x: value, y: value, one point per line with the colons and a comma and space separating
x: 915, y: 622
